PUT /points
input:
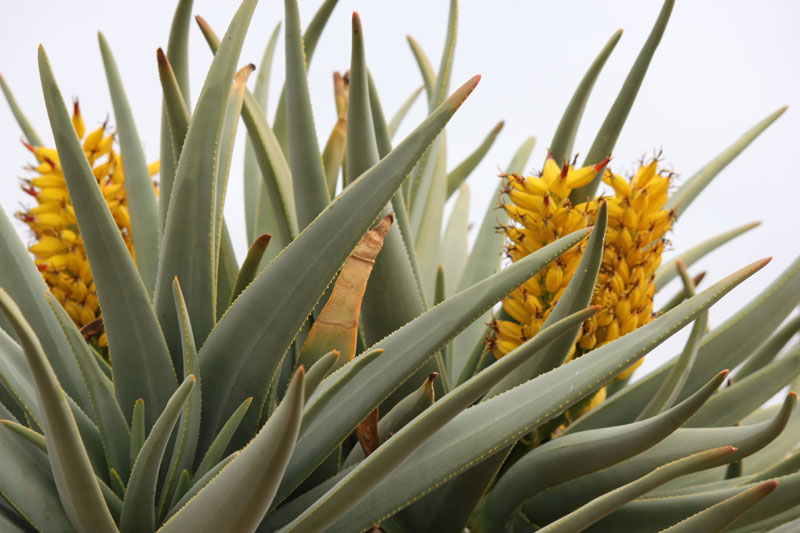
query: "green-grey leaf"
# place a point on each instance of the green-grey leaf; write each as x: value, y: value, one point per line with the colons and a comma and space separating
x: 769, y: 349
x: 27, y: 130
x: 495, y: 423
x: 178, y: 54
x: 137, y: 429
x: 362, y: 148
x: 257, y: 213
x: 402, y: 111
x: 308, y: 264
x: 562, y: 499
x: 318, y: 371
x: 369, y: 472
x: 684, y: 196
x: 138, y: 508
x: 239, y: 496
x: 564, y: 137
x: 29, y: 486
x: 139, y: 190
x: 602, y: 506
x: 227, y: 270
x: 310, y: 189
x: 111, y: 421
x: 425, y: 67
x: 175, y: 110
x: 249, y: 268
x: 310, y: 40
x: 577, y: 454
x: 333, y: 383
x: 188, y: 249
x: 17, y: 380
x: 429, y: 230
x: 227, y: 137
x: 74, y: 477
x: 220, y: 443
x: 733, y: 403
x: 458, y: 175
x: 454, y: 248
x: 667, y: 271
x: 721, y: 515
x: 189, y: 426
x: 401, y: 414
x: 140, y: 361
x: 440, y: 89
x: 606, y: 138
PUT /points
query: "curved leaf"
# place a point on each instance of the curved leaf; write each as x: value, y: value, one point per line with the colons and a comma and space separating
x: 460, y: 173
x: 598, y: 508
x: 259, y: 218
x: 239, y: 496
x: 562, y: 499
x: 139, y: 190
x: 310, y: 189
x: 564, y: 137
x: 29, y: 487
x: 111, y: 421
x: 74, y: 477
x: 684, y: 196
x: 667, y: 271
x: 27, y: 130
x: 140, y: 361
x: 576, y: 454
x: 402, y: 111
x: 138, y: 508
x: 178, y: 54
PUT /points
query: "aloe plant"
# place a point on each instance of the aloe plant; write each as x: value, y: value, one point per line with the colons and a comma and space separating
x: 343, y: 377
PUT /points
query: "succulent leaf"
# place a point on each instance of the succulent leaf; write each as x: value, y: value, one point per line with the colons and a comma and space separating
x: 238, y: 497
x: 259, y: 218
x: 138, y: 507
x: 141, y: 197
x: 140, y: 360
x: 178, y: 57
x: 564, y: 137
x: 74, y: 477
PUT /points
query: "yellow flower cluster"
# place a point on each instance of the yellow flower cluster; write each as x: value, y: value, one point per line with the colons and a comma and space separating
x: 58, y: 251
x: 541, y: 213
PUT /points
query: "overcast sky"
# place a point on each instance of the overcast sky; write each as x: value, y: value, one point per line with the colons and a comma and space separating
x: 721, y: 67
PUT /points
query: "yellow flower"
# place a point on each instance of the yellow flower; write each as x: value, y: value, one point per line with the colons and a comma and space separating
x: 58, y: 249
x: 540, y: 213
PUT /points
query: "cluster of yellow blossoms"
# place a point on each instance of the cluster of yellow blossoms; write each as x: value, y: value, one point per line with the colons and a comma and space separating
x: 541, y: 213
x: 58, y: 251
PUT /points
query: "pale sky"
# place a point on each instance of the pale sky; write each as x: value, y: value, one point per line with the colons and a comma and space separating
x: 721, y: 67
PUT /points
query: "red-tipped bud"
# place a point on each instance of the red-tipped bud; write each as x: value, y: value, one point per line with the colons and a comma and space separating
x: 28, y: 146
x: 602, y: 164
x: 564, y: 170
